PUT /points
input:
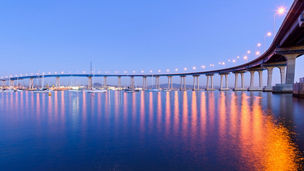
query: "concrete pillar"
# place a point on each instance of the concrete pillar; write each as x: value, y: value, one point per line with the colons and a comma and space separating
x: 251, y: 79
x: 144, y: 86
x: 181, y: 82
x: 57, y: 82
x: 90, y: 83
x: 197, y: 83
x: 236, y: 75
x: 226, y: 81
x: 282, y: 74
x: 157, y: 85
x: 242, y: 80
x: 105, y: 82
x: 169, y: 82
x: 260, y: 79
x: 31, y: 83
x: 119, y: 81
x: 184, y: 78
x: 211, y: 77
x: 132, y: 86
x: 207, y: 83
x: 221, y: 82
x: 269, y: 79
x: 291, y: 65
x: 287, y: 83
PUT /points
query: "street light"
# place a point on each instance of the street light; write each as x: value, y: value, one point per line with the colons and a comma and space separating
x: 280, y: 11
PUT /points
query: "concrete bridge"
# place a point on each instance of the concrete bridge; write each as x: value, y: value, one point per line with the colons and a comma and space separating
x: 287, y: 45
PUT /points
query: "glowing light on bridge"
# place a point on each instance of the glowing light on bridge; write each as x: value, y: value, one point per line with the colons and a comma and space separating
x: 176, y: 69
x: 142, y: 71
x: 151, y: 71
x: 194, y: 68
x: 281, y: 10
x: 257, y: 53
x: 269, y: 34
x: 211, y: 65
x: 233, y: 60
x: 167, y: 70
x: 159, y: 70
x: 248, y: 51
x: 134, y: 71
x: 238, y: 57
x: 259, y: 45
x: 245, y: 57
x: 185, y: 69
x: 203, y: 66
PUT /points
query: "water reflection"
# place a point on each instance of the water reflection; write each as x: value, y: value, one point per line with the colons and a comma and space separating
x: 204, y: 130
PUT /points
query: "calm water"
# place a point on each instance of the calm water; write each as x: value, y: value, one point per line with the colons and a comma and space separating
x: 151, y: 131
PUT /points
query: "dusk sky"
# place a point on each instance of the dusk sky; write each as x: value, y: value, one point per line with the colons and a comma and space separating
x: 54, y: 36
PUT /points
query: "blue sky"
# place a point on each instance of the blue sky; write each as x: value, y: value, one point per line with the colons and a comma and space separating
x: 54, y: 36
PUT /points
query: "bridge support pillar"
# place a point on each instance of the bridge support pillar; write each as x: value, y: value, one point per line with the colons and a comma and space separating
x: 144, y: 86
x: 157, y: 85
x: 286, y: 85
x: 236, y: 75
x: 195, y: 82
x: 105, y: 82
x: 31, y: 83
x: 132, y: 85
x: 90, y: 83
x: 119, y: 82
x: 170, y: 85
x: 222, y: 88
x: 183, y: 83
x: 251, y: 87
x: 283, y: 74
x: 236, y: 80
x: 260, y: 79
x: 57, y: 82
x: 269, y: 79
x: 210, y: 76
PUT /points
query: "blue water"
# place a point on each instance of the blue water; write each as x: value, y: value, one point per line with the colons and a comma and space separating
x: 151, y: 131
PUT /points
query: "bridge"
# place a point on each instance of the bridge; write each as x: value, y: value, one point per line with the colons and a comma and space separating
x: 287, y: 46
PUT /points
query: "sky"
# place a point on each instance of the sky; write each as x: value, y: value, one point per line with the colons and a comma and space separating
x: 133, y: 36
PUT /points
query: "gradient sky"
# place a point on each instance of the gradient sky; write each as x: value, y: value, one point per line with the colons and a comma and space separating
x: 54, y: 36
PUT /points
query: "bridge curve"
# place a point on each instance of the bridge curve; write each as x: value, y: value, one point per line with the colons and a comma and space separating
x: 287, y: 45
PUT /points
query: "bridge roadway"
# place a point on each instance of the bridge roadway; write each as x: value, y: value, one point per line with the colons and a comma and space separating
x: 287, y: 45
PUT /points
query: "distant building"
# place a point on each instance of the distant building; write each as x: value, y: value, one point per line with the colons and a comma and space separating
x: 302, y: 80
